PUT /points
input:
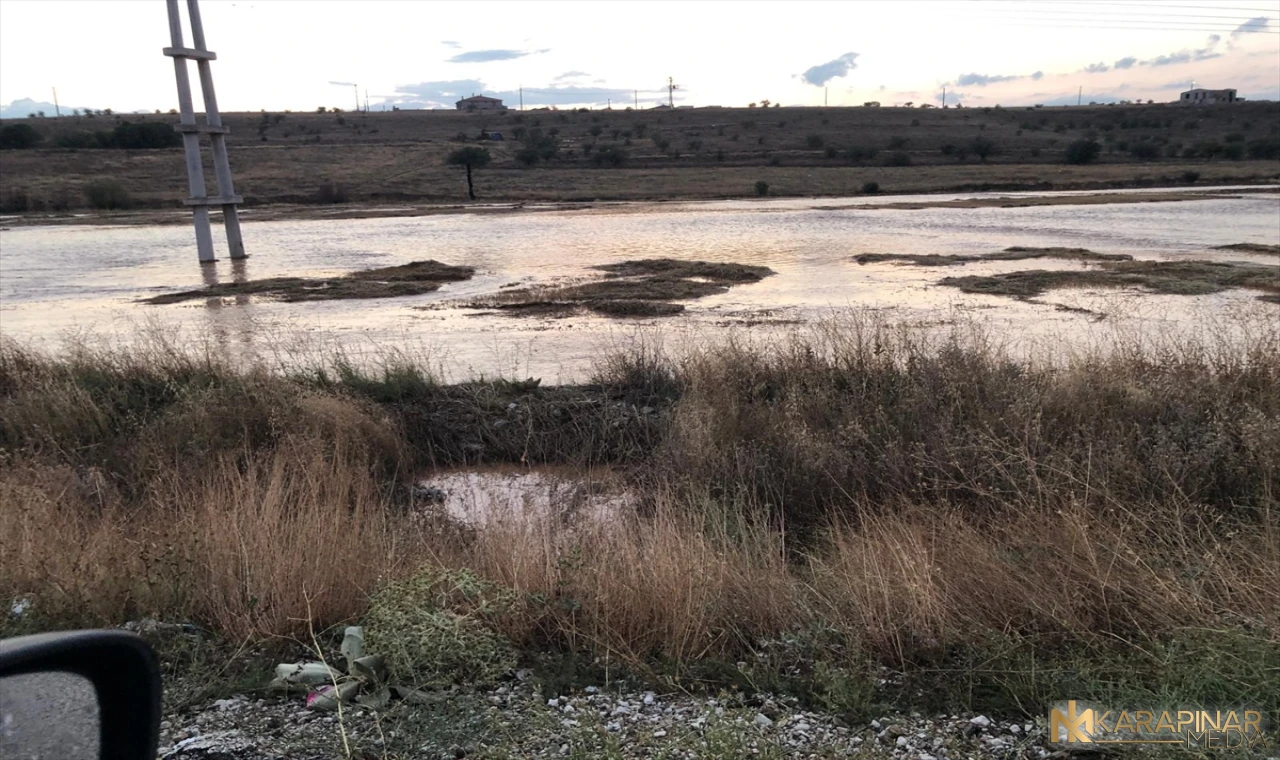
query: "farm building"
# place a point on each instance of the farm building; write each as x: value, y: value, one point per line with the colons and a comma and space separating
x: 480, y: 103
x: 1201, y: 97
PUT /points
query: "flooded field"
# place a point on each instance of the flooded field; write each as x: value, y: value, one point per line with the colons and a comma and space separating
x: 59, y: 281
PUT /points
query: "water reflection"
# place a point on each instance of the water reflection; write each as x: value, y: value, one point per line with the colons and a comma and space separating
x: 57, y: 279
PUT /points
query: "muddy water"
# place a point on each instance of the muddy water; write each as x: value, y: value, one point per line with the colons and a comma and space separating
x: 56, y: 281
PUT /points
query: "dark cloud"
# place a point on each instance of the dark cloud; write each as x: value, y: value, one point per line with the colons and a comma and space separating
x: 1183, y: 56
x: 1126, y: 63
x: 982, y: 80
x: 1096, y: 68
x: 572, y: 75
x: 825, y: 72
x: 485, y: 56
x: 1258, y: 24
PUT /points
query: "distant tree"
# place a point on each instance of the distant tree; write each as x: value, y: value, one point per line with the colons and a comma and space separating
x: 764, y: 103
x: 982, y: 147
x: 751, y: 105
x: 40, y: 114
x: 1082, y: 151
x: 75, y: 112
x: 472, y: 158
x: 105, y: 112
x: 321, y: 109
x: 19, y: 136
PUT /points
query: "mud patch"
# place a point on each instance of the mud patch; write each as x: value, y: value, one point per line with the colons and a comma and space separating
x: 1166, y: 277
x: 639, y: 288
x: 410, y: 279
x: 1014, y: 253
x: 1093, y: 199
x: 1263, y: 248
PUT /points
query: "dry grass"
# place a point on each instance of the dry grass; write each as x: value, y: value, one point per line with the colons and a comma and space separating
x: 847, y: 496
x: 396, y: 157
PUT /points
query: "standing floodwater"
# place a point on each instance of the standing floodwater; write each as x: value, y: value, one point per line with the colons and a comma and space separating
x: 56, y: 280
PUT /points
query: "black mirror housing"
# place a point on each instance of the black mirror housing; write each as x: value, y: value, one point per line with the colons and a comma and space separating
x: 125, y: 674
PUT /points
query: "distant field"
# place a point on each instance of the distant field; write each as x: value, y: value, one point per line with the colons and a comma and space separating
x: 683, y: 154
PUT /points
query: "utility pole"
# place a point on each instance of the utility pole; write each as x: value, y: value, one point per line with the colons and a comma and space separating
x: 671, y: 92
x: 366, y: 101
x: 824, y: 97
x: 944, y: 96
x: 521, y: 97
x: 57, y: 111
x: 200, y: 202
x: 357, y: 89
x: 1079, y: 95
x: 636, y: 95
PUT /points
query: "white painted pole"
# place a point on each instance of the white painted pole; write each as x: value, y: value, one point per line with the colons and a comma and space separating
x: 221, y: 164
x: 190, y: 140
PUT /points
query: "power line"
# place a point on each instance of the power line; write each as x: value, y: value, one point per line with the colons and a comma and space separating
x: 1048, y: 25
x: 1165, y: 6
x: 1134, y: 15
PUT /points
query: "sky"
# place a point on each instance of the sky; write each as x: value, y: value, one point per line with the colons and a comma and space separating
x: 302, y: 54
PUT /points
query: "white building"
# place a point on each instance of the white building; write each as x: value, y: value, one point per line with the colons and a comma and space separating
x: 480, y: 103
x: 1202, y: 97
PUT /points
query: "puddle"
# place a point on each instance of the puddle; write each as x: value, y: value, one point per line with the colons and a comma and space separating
x: 479, y: 497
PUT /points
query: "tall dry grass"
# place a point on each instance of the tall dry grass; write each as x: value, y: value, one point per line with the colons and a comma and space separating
x: 871, y: 495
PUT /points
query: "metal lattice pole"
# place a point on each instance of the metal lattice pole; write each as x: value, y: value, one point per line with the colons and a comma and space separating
x: 200, y: 201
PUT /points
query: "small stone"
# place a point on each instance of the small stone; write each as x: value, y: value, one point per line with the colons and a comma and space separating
x: 763, y: 720
x: 591, y: 690
x: 613, y: 726
x: 659, y: 734
x: 648, y: 697
x: 981, y: 721
x: 902, y: 741
x: 553, y: 702
x: 875, y: 724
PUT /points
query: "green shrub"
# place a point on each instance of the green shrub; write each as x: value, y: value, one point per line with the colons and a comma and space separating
x: 1082, y: 152
x: 107, y: 194
x: 762, y: 188
x: 609, y: 155
x: 1144, y: 151
x: 435, y: 628
x: 1264, y: 148
x: 871, y: 188
x: 1190, y: 176
x: 1233, y: 151
x: 813, y: 142
x: 861, y: 153
x: 897, y: 158
x: 19, y: 137
x: 144, y: 135
x: 982, y: 147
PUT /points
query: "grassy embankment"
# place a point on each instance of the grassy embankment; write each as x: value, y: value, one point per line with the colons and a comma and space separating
x: 398, y: 157
x: 1001, y: 533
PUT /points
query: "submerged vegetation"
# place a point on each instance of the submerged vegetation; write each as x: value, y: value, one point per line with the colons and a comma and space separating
x: 1167, y: 277
x: 1013, y: 253
x: 410, y: 279
x: 996, y: 531
x: 639, y: 288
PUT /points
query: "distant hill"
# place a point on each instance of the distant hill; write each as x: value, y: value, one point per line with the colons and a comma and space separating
x: 24, y: 107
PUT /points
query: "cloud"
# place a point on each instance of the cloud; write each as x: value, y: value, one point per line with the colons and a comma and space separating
x: 1214, y: 39
x: 833, y: 69
x: 1258, y: 24
x: 572, y: 75
x: 982, y: 80
x: 1127, y: 62
x: 343, y: 84
x: 485, y: 56
x: 450, y: 43
x: 1097, y: 68
x: 443, y: 94
x: 1038, y: 76
x: 1183, y: 56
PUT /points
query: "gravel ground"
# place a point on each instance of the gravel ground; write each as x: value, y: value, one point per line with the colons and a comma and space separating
x: 517, y: 720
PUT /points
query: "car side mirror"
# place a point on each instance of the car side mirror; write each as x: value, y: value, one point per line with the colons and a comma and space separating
x: 79, y: 694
